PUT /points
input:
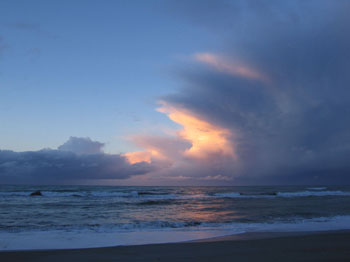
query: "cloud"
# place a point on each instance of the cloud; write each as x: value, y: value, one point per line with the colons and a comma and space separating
x: 196, y: 144
x: 237, y: 69
x: 205, y: 139
x: 198, y: 151
x: 163, y: 150
x: 276, y: 95
x: 80, y: 145
x: 76, y: 161
x: 271, y: 107
x: 136, y: 157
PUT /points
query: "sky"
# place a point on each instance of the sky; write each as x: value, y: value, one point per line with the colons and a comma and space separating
x: 175, y: 92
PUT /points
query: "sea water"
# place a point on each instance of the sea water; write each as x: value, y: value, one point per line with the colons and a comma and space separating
x: 96, y: 216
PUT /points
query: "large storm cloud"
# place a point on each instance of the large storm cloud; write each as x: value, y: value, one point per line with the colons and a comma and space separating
x: 277, y: 93
x: 280, y: 84
x: 68, y: 164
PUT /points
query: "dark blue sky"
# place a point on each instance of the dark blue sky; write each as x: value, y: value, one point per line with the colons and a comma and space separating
x: 175, y: 92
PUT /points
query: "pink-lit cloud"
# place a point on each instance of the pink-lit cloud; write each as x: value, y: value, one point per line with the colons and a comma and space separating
x: 235, y: 68
x: 164, y: 149
x: 197, y: 147
x: 196, y: 140
x: 136, y: 157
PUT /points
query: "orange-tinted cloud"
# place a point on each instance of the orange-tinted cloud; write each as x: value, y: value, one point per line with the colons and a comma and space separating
x: 158, y: 148
x: 229, y: 67
x: 205, y: 138
x: 197, y: 139
x: 136, y: 157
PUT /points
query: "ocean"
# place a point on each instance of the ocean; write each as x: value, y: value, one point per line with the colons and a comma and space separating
x: 96, y: 216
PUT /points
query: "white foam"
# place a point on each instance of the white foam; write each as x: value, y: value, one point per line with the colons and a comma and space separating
x: 312, y: 193
x: 238, y: 195
x: 230, y: 195
x: 317, y: 188
x: 314, y: 224
x: 284, y: 194
x: 69, y: 240
x: 88, y: 239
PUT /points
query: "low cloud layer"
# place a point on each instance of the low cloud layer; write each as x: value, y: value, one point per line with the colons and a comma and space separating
x: 76, y: 161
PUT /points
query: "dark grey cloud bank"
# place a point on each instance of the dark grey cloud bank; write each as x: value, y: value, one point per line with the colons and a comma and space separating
x: 78, y: 160
x: 296, y: 128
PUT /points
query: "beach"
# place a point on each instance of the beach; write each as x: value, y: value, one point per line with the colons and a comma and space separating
x: 321, y: 246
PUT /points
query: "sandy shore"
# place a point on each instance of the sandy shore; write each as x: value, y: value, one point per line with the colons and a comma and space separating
x: 327, y: 246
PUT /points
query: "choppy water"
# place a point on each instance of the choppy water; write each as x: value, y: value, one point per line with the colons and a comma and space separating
x: 86, y: 216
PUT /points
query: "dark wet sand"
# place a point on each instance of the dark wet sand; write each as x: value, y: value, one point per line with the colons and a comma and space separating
x: 329, y: 246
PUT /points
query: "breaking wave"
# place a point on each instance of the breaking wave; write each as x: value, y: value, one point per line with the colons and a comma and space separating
x: 283, y: 194
x: 317, y: 188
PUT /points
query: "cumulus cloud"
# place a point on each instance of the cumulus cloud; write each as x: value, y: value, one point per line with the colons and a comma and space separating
x: 82, y: 145
x: 279, y: 88
x: 79, y: 159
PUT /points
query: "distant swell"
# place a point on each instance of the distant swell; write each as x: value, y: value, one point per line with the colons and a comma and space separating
x: 117, y: 227
x: 153, y: 197
x: 132, y: 194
